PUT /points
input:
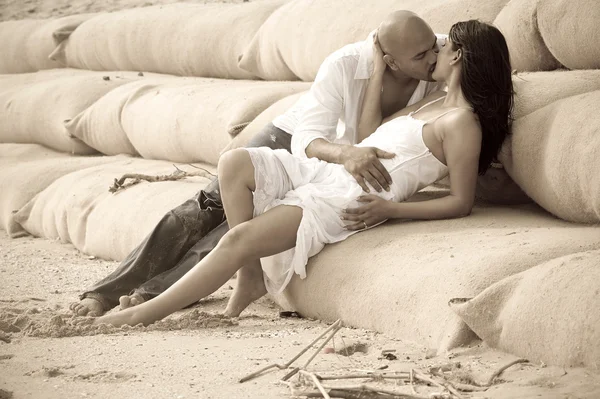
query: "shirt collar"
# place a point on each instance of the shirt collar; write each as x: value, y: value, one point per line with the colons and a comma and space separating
x: 364, y: 70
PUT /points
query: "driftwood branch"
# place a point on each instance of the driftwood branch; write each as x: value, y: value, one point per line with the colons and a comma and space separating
x: 131, y: 179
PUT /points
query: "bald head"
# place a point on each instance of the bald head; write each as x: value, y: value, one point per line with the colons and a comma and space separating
x: 400, y: 29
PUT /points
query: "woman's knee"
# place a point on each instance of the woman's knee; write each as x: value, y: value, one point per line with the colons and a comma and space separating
x: 236, y: 241
x: 233, y: 163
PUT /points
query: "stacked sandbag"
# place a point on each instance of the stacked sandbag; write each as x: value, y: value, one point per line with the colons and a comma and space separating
x: 62, y: 210
x: 36, y: 112
x: 182, y: 121
x: 569, y: 29
x: 399, y: 277
x: 534, y: 90
x: 548, y: 313
x: 553, y: 156
x: 284, y: 49
x: 11, y: 153
x: 26, y: 44
x: 179, y: 39
x: 23, y: 179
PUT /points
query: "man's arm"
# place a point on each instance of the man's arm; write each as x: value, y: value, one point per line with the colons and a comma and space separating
x: 314, y: 136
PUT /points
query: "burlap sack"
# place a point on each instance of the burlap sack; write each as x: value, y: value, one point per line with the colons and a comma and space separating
x: 518, y: 21
x: 179, y: 39
x: 194, y: 123
x: 570, y: 30
x: 109, y: 232
x: 553, y: 154
x: 36, y: 112
x: 22, y: 180
x: 26, y: 44
x: 262, y: 120
x: 398, y: 278
x: 11, y: 153
x: 548, y: 313
x: 9, y: 81
x: 284, y: 48
x: 54, y: 215
x: 538, y: 89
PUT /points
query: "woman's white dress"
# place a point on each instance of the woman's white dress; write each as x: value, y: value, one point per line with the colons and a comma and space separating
x: 324, y: 189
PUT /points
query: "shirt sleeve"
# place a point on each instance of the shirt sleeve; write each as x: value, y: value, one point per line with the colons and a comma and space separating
x: 323, y: 108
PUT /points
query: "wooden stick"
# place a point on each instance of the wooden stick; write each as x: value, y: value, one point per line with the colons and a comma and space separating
x: 316, y: 383
x: 448, y: 387
x: 335, y: 330
x: 412, y: 377
x: 289, y: 363
x: 501, y: 370
x: 391, y: 376
x: 368, y: 388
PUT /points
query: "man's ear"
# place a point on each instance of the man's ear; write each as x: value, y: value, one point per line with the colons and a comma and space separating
x: 389, y: 60
x: 457, y: 56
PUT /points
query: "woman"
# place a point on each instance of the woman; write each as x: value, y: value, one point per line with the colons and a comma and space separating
x: 283, y: 209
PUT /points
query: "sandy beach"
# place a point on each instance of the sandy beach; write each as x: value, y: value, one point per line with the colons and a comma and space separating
x: 196, y: 353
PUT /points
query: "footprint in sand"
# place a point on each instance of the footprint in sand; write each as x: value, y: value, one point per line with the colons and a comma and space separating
x: 105, y: 376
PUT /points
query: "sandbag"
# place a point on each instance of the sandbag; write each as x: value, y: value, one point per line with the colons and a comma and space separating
x: 538, y: 89
x: 553, y: 156
x: 26, y: 44
x: 398, y: 278
x: 194, y: 122
x: 36, y: 112
x: 284, y: 49
x: 262, y: 120
x: 109, y: 232
x: 52, y: 214
x: 22, y: 180
x: 179, y: 39
x: 548, y: 313
x: 570, y: 30
x: 12, y: 153
x: 518, y: 21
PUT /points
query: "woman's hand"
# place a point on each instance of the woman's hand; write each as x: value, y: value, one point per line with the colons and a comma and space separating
x: 374, y: 211
x: 379, y: 64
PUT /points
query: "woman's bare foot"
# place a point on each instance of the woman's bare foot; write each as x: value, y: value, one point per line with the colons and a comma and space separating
x: 87, y: 307
x: 118, y: 319
x: 128, y: 301
x: 250, y: 287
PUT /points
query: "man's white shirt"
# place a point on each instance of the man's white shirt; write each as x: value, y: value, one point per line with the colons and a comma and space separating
x: 331, y: 109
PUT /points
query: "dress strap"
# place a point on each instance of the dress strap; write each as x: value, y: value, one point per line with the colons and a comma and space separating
x: 444, y: 113
x: 429, y: 103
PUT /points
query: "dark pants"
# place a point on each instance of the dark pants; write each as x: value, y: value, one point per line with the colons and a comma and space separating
x: 183, y: 237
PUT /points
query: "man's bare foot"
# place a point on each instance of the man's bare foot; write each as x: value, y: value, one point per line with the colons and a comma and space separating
x: 87, y: 307
x: 250, y: 287
x: 117, y: 319
x: 128, y: 301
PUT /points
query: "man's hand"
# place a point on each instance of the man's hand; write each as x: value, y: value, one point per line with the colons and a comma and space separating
x: 374, y: 211
x: 364, y: 165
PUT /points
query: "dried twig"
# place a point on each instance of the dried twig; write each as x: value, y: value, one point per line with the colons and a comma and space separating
x: 336, y: 325
x: 316, y: 383
x: 136, y: 178
x: 400, y: 375
x: 335, y: 330
x: 412, y: 379
x: 497, y: 373
x: 370, y: 388
x: 444, y: 385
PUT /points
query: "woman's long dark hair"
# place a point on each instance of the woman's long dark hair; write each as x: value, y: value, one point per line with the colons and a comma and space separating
x: 486, y: 82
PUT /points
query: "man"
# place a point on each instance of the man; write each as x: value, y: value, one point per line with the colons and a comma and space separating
x: 309, y: 129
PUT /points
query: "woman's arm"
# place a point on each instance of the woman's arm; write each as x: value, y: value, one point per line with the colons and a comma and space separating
x: 461, y: 135
x: 370, y: 116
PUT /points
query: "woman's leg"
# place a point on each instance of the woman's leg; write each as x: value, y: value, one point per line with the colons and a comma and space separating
x: 268, y: 234
x: 236, y: 173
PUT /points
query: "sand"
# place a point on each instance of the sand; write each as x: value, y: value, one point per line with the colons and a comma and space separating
x: 47, y: 353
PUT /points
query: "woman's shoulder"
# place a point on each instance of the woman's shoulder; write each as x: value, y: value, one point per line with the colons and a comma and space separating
x: 462, y: 122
